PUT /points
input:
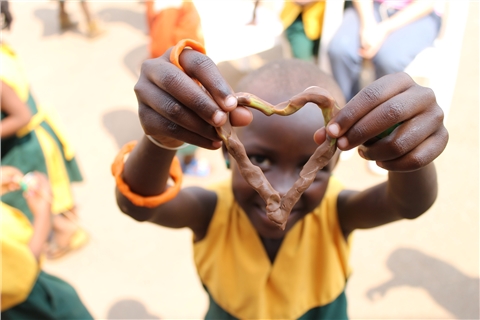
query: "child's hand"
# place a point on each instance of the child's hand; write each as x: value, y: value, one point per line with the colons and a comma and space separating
x: 391, y: 100
x: 173, y: 108
x: 11, y: 178
x: 38, y: 194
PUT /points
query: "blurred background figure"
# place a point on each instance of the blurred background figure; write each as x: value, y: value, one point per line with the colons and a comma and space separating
x: 170, y: 21
x: 93, y: 28
x: 389, y: 33
x: 27, y: 291
x: 383, y: 33
x: 32, y: 140
x: 303, y: 21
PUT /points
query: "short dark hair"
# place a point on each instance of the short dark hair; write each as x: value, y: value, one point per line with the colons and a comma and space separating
x: 291, y: 75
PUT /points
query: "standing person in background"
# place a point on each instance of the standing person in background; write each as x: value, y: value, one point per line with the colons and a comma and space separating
x: 66, y: 23
x: 33, y: 141
x: 303, y: 21
x: 170, y: 21
x: 389, y: 33
x: 27, y: 291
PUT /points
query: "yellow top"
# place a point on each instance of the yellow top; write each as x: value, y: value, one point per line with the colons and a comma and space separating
x: 12, y: 72
x: 312, y: 17
x: 310, y: 269
x: 19, y: 266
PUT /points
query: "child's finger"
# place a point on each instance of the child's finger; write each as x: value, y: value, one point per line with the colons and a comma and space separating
x: 202, y: 68
x: 320, y: 135
x: 241, y: 117
x: 366, y: 100
x: 171, y: 109
x: 402, y: 107
x: 421, y: 156
x: 402, y: 140
x: 156, y: 125
x: 184, y: 89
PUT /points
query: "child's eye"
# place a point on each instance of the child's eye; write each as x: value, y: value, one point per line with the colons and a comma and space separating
x: 260, y: 161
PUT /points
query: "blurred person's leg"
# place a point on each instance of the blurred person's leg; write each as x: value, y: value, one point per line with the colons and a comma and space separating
x: 302, y: 47
x: 93, y: 28
x: 64, y: 19
x: 343, y: 54
x: 403, y: 45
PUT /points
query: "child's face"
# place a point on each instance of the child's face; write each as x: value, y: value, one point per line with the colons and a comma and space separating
x: 280, y: 146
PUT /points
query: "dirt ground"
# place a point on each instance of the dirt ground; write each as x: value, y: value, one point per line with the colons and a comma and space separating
x: 425, y: 268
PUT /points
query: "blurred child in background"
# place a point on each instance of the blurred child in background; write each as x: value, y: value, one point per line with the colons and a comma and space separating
x: 32, y: 140
x: 27, y: 291
x: 303, y: 22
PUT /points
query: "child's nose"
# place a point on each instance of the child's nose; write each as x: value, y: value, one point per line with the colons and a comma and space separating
x: 284, y: 182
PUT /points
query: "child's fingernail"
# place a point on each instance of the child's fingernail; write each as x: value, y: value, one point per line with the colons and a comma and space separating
x: 216, y: 144
x: 334, y: 129
x: 219, y: 117
x: 231, y: 102
x: 342, y: 142
x: 362, y: 154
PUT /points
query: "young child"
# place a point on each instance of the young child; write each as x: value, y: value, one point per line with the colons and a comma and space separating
x: 33, y: 140
x: 251, y: 268
x: 27, y: 291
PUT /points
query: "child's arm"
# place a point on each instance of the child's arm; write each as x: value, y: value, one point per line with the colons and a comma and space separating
x: 407, y: 152
x: 18, y: 114
x: 174, y: 109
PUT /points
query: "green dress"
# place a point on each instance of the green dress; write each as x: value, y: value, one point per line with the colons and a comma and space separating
x: 27, y: 291
x: 40, y: 145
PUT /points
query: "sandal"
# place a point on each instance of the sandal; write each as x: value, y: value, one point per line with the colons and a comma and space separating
x: 78, y: 240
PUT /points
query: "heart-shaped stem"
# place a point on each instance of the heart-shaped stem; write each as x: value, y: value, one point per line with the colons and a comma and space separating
x: 279, y: 207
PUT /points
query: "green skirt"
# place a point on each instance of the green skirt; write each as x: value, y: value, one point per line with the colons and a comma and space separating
x: 51, y: 298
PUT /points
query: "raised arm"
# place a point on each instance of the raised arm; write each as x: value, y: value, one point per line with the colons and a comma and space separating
x: 173, y: 109
x: 408, y: 152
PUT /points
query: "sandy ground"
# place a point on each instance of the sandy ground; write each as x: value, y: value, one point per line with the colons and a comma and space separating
x: 425, y: 268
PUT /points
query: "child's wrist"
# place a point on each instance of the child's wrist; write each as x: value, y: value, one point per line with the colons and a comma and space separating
x: 117, y: 168
x: 169, y: 144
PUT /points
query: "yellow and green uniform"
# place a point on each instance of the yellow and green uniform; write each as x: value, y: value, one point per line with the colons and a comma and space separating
x: 28, y: 292
x: 303, y: 27
x: 40, y: 145
x: 306, y: 280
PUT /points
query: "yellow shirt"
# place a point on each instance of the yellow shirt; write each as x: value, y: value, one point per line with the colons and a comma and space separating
x: 19, y: 266
x: 312, y: 17
x: 310, y: 269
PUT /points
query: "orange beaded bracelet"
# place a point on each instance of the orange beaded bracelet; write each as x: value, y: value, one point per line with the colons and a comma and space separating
x: 138, y: 200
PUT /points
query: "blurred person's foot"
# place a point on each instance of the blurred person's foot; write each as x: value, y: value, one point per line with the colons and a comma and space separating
x: 93, y: 29
x: 66, y: 23
x: 66, y: 236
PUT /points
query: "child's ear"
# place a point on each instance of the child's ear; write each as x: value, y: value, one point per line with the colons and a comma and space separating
x: 226, y: 156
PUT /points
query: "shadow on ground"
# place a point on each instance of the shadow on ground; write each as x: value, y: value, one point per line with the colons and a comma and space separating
x: 129, y: 309
x: 448, y: 286
x: 50, y: 21
x: 123, y: 125
x: 136, y: 20
x: 134, y: 58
